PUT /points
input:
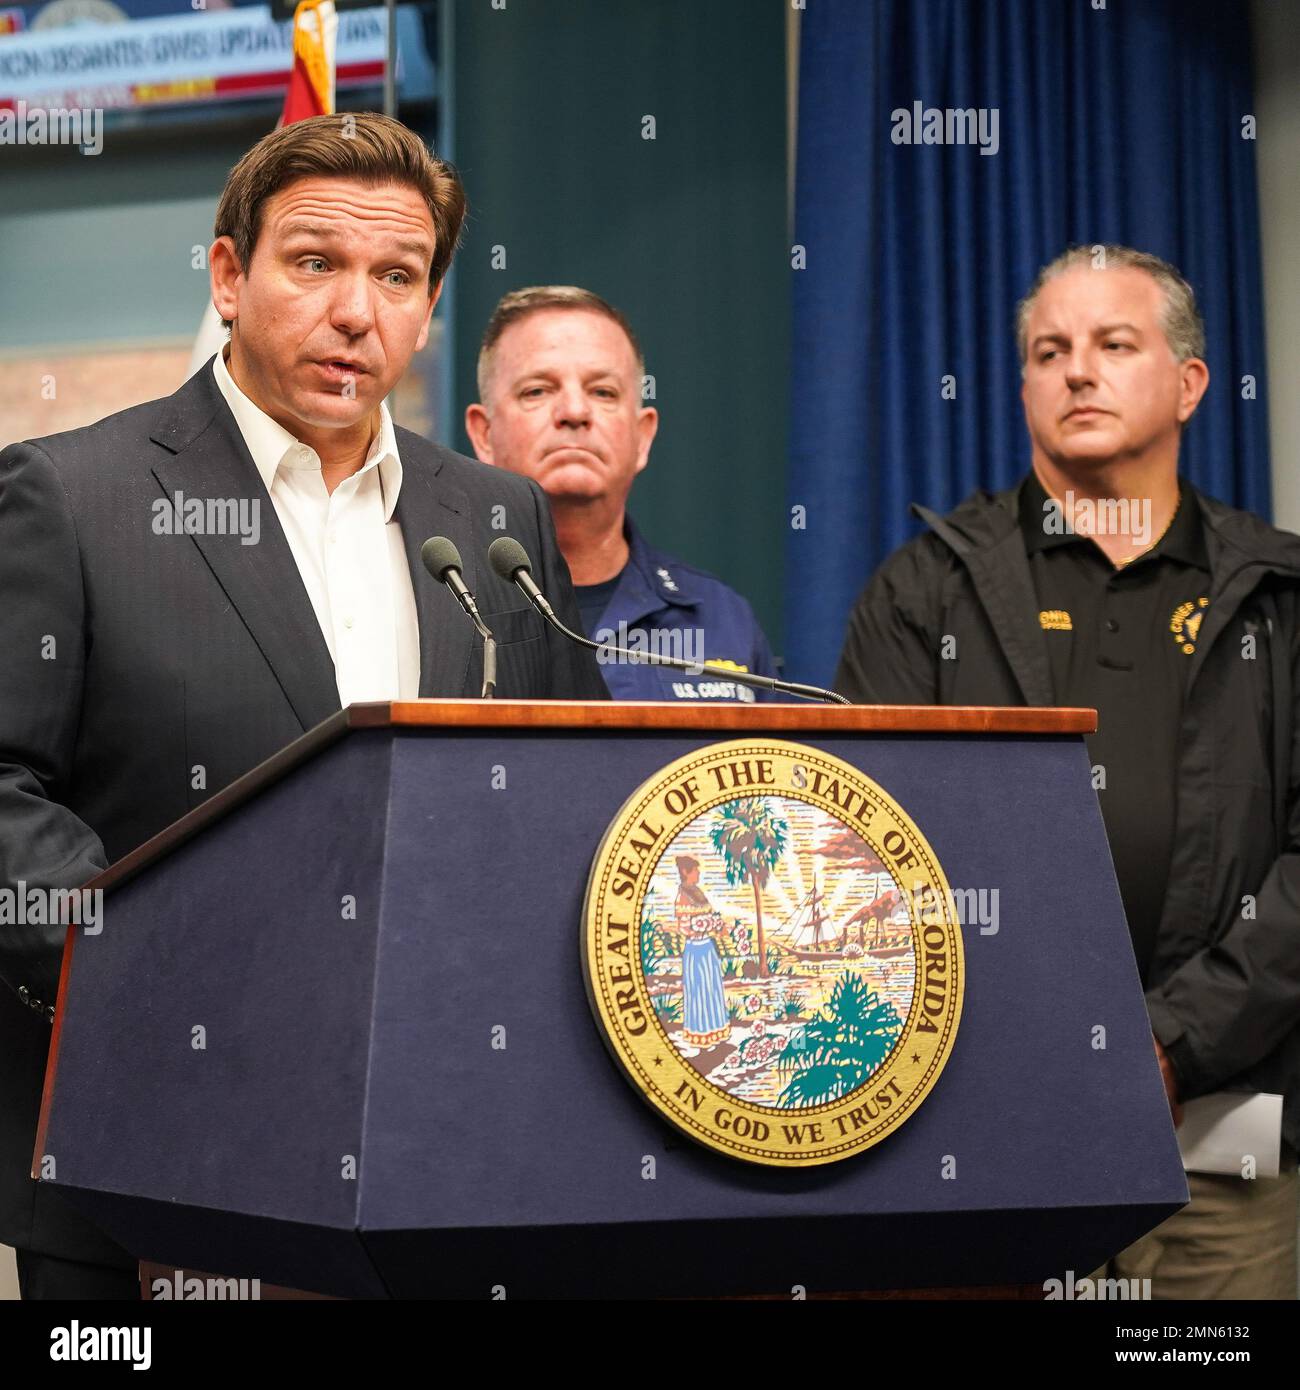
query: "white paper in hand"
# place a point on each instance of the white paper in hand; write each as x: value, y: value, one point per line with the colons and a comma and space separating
x: 1220, y: 1132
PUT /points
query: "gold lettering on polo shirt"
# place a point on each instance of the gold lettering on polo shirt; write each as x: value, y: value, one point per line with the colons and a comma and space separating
x: 1185, y: 623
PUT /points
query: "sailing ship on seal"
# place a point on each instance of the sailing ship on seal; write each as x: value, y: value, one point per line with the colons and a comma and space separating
x: 870, y: 931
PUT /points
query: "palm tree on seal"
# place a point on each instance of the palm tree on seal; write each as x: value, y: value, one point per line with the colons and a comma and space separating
x: 751, y: 838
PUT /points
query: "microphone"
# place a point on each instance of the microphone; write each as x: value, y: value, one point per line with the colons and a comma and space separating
x: 442, y: 560
x: 510, y: 560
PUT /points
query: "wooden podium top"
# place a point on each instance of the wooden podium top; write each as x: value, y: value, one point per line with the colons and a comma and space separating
x: 802, y: 717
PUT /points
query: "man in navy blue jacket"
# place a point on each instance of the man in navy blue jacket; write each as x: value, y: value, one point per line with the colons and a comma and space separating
x: 559, y: 378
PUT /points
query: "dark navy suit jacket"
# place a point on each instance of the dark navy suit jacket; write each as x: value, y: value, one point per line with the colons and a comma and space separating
x: 129, y: 659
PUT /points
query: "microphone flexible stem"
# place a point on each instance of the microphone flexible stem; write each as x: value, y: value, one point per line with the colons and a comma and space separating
x: 807, y: 692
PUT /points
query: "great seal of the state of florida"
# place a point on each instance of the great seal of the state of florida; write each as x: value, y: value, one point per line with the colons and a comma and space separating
x: 771, y: 951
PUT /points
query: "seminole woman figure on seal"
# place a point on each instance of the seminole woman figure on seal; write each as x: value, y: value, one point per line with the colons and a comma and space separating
x: 704, y: 1006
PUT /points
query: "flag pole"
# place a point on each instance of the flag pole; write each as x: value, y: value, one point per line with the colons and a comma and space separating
x: 390, y: 63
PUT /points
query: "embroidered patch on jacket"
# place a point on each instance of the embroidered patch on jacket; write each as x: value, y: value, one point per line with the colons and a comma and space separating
x: 1185, y: 624
x: 1055, y: 620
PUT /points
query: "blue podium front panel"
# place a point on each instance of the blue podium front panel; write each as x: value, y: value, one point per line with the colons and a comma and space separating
x: 443, y: 1036
x: 213, y: 1054
x: 494, y: 1105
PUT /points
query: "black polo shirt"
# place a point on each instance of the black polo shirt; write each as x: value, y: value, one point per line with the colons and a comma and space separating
x: 1121, y: 640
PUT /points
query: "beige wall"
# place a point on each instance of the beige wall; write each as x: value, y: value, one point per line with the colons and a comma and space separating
x: 51, y: 389
x: 48, y: 390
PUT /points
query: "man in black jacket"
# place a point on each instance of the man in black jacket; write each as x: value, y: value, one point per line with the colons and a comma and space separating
x: 192, y: 584
x: 1105, y: 580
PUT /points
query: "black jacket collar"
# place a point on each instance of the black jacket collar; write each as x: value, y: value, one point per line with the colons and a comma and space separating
x: 984, y: 534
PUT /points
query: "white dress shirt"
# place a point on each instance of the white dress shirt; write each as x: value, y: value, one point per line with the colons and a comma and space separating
x: 348, y: 549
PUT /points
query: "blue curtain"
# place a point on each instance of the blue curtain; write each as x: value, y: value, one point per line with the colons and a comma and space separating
x: 1122, y: 124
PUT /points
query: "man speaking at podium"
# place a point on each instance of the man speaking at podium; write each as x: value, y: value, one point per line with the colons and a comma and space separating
x: 193, y: 583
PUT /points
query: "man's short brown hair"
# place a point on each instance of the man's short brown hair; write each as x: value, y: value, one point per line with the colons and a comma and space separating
x: 518, y: 304
x: 365, y: 146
